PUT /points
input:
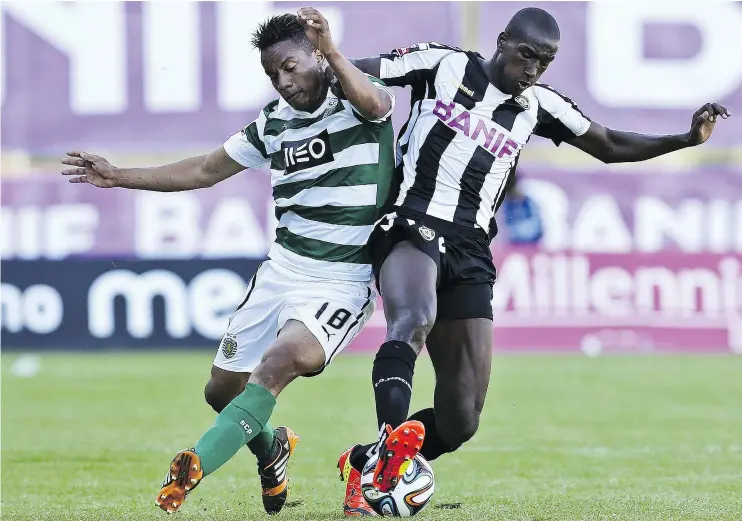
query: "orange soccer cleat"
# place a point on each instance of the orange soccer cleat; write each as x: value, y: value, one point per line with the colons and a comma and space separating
x: 397, y: 448
x: 184, y: 475
x: 355, y: 504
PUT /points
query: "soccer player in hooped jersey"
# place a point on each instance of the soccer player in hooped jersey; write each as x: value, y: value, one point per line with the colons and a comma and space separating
x: 331, y: 162
x: 469, y: 120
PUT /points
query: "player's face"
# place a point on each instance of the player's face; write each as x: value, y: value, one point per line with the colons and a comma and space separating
x: 521, y: 63
x: 296, y: 74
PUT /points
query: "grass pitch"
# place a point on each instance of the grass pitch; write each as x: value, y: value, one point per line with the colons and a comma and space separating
x: 562, y: 438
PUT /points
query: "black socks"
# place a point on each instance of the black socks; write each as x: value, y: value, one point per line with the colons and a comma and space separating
x: 392, y: 380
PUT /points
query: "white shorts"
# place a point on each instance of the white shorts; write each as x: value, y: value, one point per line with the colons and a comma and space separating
x: 334, y: 311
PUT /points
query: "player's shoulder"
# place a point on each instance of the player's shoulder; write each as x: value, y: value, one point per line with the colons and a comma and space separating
x: 547, y: 95
x: 375, y: 80
x: 264, y: 115
x: 426, y: 47
x: 337, y: 89
x: 271, y: 109
x: 269, y: 122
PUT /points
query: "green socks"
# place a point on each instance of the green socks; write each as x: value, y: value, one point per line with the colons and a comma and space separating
x: 243, y: 420
x: 262, y: 444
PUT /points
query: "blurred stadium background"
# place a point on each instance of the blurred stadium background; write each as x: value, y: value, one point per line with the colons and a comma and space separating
x: 637, y: 258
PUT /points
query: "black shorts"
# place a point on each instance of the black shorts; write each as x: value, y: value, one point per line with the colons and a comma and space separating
x: 466, y: 273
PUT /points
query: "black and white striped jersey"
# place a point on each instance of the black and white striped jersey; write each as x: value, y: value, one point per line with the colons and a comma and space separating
x: 463, y: 136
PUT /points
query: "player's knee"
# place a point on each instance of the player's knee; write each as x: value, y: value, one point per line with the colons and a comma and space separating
x: 218, y: 394
x: 278, y: 367
x: 412, y: 325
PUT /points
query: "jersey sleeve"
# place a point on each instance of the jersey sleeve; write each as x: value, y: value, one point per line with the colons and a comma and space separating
x: 381, y: 86
x: 559, y: 118
x: 406, y: 65
x: 247, y: 146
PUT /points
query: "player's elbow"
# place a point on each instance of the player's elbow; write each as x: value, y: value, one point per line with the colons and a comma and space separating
x: 381, y: 105
x: 204, y: 176
x: 605, y: 152
x: 375, y: 110
x: 205, y: 180
x: 608, y: 157
x: 201, y: 180
x: 609, y: 150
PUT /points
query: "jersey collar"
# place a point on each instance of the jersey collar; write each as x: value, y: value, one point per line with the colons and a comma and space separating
x: 284, y: 106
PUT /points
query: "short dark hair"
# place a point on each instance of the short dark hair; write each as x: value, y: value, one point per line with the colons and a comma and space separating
x: 535, y: 19
x: 278, y: 29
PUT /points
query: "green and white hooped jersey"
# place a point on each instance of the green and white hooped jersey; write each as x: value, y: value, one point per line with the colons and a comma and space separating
x: 330, y: 173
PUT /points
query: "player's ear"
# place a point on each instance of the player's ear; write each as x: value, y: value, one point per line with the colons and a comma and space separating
x: 502, y: 38
x: 319, y: 57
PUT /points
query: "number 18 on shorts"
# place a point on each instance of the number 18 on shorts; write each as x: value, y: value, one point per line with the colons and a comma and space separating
x: 334, y: 311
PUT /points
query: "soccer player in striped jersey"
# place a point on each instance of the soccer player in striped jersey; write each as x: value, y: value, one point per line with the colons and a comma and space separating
x: 469, y: 120
x: 331, y: 161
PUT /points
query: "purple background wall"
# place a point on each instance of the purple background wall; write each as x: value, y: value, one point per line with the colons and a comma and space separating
x: 636, y: 260
x: 677, y: 63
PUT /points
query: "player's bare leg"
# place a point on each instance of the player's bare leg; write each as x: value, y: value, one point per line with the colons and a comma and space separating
x: 295, y: 352
x: 223, y: 387
x: 461, y: 353
x: 408, y: 285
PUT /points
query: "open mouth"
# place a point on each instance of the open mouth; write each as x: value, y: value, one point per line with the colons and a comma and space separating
x: 523, y: 85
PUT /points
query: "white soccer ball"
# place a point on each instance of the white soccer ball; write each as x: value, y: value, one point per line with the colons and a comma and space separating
x: 411, y: 495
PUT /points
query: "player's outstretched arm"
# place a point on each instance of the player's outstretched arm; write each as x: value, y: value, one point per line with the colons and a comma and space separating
x: 188, y: 174
x: 617, y: 146
x: 371, y: 102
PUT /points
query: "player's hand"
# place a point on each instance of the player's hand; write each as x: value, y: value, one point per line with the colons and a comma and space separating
x: 91, y: 169
x: 317, y: 29
x: 704, y: 121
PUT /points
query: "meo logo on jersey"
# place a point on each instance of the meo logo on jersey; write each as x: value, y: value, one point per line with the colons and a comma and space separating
x: 307, y: 153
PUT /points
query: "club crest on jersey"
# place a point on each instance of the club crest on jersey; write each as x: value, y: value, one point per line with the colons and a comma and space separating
x: 523, y: 102
x: 307, y: 153
x: 331, y: 104
x: 229, y: 346
x: 426, y: 233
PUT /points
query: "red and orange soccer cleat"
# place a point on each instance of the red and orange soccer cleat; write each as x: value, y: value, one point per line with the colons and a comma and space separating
x: 397, y: 448
x: 355, y: 504
x: 184, y: 475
